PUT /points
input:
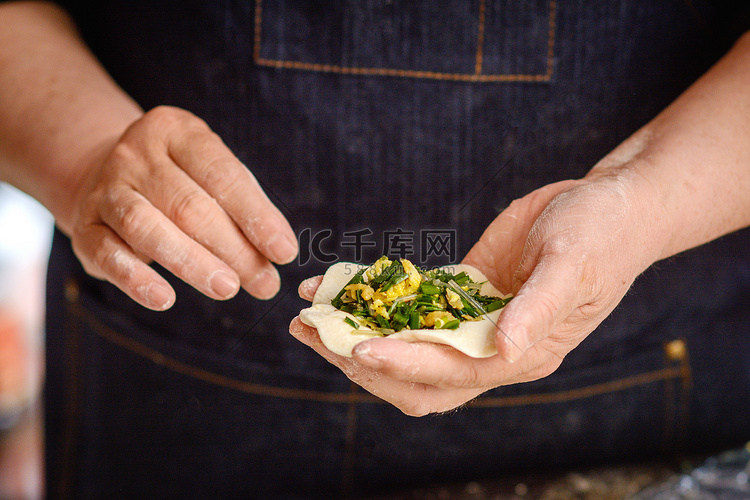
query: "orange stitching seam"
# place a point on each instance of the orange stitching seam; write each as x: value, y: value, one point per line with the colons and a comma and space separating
x: 480, y: 39
x: 677, y: 402
x: 670, y: 401
x: 686, y: 375
x: 156, y: 357
x: 72, y: 415
x: 583, y: 392
x: 551, y: 38
x: 433, y: 75
x: 350, y: 446
x: 258, y: 21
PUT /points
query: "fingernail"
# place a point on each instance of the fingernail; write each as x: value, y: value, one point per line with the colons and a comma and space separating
x: 158, y: 296
x: 223, y: 284
x: 265, y: 284
x: 282, y: 249
x: 362, y: 354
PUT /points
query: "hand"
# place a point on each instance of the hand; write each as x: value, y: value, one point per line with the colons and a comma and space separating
x: 170, y: 191
x: 568, y: 251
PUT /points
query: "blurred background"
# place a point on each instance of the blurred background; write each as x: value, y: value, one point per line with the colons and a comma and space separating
x: 25, y: 237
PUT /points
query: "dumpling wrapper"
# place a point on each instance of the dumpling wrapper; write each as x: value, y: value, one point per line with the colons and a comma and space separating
x: 473, y: 338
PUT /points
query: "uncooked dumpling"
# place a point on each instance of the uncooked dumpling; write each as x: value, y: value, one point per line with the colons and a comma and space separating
x: 340, y: 331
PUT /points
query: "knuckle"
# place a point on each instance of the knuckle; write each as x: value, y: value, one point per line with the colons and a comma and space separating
x: 416, y: 410
x: 170, y: 117
x: 88, y: 261
x: 416, y: 407
x: 124, y: 152
x: 259, y: 224
x: 101, y: 258
x: 547, y: 305
x: 134, y: 221
x: 424, y: 407
x: 247, y: 261
x: 118, y: 267
x: 189, y: 209
x: 153, y: 121
x: 466, y: 377
x: 163, y: 115
x: 548, y: 369
x: 218, y: 173
x: 420, y: 401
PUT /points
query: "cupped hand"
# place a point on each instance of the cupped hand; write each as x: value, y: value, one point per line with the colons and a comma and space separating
x: 170, y: 191
x: 568, y: 252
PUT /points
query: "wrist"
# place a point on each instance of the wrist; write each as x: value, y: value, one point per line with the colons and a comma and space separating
x: 648, y: 219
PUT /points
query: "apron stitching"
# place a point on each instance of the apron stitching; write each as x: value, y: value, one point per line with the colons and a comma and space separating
x: 207, y: 376
x: 579, y: 393
x: 551, y: 34
x: 175, y: 365
x: 677, y: 394
x: 670, y: 406
x: 72, y: 411
x: 406, y: 73
x: 480, y: 39
x: 347, y: 480
x: 258, y: 21
x: 686, y: 376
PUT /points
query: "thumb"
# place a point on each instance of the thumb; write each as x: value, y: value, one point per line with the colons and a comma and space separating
x: 544, y: 301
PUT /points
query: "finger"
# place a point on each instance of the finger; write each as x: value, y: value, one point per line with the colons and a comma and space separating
x: 448, y: 370
x: 305, y: 334
x: 203, y: 155
x: 308, y: 287
x: 432, y: 364
x: 308, y: 335
x: 105, y: 256
x: 147, y: 231
x: 199, y: 216
x: 411, y: 398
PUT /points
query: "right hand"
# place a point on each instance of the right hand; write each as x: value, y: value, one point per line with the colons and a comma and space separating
x: 568, y: 252
x: 170, y: 190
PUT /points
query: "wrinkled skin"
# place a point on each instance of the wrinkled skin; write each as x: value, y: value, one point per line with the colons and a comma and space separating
x: 563, y: 251
x: 170, y: 191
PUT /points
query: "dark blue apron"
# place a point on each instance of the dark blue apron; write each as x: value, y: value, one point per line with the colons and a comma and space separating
x: 401, y: 127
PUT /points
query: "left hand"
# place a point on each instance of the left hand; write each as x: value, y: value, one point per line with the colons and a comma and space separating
x: 567, y: 251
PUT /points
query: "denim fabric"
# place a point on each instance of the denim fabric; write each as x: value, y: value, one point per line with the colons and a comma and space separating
x: 376, y: 118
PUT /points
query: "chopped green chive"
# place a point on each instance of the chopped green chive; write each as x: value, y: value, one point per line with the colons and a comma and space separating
x: 386, y: 311
x: 356, y: 279
x: 428, y: 288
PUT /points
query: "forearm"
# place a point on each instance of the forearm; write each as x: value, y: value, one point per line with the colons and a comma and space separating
x: 690, y: 166
x: 59, y: 109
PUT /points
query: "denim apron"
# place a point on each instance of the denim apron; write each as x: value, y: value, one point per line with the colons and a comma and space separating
x: 384, y: 126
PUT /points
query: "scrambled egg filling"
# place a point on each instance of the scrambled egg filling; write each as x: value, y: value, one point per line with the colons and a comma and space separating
x: 408, y: 285
x: 391, y: 295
